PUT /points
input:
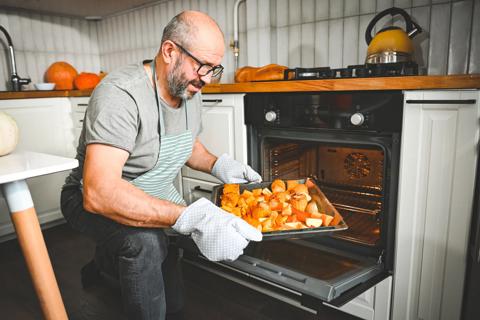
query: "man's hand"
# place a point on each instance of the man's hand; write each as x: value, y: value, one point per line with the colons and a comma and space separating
x: 228, y: 170
x: 218, y: 234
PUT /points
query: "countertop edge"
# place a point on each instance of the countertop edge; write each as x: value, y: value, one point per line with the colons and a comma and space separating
x: 461, y: 81
x: 352, y: 84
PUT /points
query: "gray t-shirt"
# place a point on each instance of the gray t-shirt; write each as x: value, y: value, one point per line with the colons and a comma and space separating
x: 122, y: 112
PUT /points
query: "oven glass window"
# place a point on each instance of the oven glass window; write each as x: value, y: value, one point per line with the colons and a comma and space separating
x: 352, y: 178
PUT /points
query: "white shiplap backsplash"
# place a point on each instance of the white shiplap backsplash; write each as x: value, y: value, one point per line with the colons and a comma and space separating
x: 39, y: 40
x: 306, y: 33
x: 135, y: 35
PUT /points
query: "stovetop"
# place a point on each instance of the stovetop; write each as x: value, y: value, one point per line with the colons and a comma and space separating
x: 354, y: 71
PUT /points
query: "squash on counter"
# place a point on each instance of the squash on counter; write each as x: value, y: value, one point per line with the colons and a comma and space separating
x: 62, y: 74
x: 8, y: 134
x: 86, y: 80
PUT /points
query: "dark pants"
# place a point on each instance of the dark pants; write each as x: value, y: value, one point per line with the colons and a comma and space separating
x: 148, y: 272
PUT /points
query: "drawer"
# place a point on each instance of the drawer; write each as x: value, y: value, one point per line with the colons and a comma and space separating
x: 194, y: 189
x: 78, y: 114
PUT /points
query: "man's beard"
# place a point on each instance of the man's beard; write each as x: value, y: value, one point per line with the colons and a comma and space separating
x: 177, y: 84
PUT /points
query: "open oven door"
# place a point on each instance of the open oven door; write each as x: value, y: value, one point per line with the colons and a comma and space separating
x: 306, y: 271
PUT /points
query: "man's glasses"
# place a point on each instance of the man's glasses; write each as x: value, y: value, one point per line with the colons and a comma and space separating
x: 203, y: 69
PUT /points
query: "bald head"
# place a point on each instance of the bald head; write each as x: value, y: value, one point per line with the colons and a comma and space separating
x: 192, y: 49
x: 193, y: 28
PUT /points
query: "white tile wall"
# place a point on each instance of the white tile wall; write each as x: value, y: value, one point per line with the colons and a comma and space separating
x: 135, y: 35
x: 39, y: 40
x: 294, y: 33
x: 450, y: 43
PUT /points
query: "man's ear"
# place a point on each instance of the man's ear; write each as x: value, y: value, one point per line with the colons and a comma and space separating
x: 167, y: 50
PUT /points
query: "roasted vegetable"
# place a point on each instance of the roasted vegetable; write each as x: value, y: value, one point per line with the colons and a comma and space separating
x: 285, y: 206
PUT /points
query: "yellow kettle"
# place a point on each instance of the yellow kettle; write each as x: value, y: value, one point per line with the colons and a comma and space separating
x: 391, y: 44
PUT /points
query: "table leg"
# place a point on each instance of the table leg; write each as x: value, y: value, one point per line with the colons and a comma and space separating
x: 34, y: 250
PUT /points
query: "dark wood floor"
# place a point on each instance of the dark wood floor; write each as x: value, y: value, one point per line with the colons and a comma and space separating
x: 208, y: 297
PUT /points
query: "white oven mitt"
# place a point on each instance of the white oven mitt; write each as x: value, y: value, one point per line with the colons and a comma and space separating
x: 218, y: 234
x: 228, y: 170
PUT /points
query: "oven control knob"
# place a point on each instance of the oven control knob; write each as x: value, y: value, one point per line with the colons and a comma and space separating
x: 357, y: 119
x: 270, y: 116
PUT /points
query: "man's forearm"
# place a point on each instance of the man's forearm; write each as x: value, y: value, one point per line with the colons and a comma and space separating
x: 201, y: 159
x: 121, y: 201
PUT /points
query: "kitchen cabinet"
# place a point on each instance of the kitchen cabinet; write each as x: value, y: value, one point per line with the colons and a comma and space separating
x: 45, y: 125
x: 223, y: 131
x: 79, y: 107
x: 436, y: 187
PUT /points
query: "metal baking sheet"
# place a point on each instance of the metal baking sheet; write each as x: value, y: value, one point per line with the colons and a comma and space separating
x: 337, y: 224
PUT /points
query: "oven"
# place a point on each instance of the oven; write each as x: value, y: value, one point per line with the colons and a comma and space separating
x: 350, y: 143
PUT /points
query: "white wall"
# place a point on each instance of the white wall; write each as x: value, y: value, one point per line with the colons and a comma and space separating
x: 40, y: 39
x: 307, y: 33
x: 135, y: 35
x: 295, y: 33
x: 331, y: 33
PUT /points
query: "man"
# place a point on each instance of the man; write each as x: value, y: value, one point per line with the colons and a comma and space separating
x: 140, y: 128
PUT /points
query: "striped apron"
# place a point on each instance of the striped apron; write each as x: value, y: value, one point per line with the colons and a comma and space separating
x: 175, y: 150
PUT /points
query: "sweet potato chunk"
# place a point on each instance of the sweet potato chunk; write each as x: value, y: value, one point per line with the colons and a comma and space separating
x: 285, y: 206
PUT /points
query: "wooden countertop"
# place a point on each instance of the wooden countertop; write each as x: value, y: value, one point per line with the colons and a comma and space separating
x: 382, y: 83
x: 5, y: 95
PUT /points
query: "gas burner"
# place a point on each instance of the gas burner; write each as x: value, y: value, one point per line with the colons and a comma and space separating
x: 355, y: 71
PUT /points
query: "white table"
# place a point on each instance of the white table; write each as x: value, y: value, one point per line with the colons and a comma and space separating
x: 14, y: 169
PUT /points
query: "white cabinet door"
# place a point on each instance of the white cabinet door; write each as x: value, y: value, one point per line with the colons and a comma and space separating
x: 45, y: 125
x: 223, y: 130
x: 436, y: 186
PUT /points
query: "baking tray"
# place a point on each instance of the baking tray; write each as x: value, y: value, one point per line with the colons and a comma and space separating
x: 337, y: 224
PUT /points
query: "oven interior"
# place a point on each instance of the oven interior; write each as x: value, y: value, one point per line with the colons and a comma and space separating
x: 351, y: 178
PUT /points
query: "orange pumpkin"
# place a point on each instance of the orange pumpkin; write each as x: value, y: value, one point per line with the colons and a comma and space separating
x: 86, y: 80
x: 62, y: 74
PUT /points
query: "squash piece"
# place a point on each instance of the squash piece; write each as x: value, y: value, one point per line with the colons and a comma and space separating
x: 313, y: 223
x: 247, y: 194
x: 231, y: 188
x: 326, y: 219
x: 291, y: 184
x: 278, y: 186
x: 257, y: 192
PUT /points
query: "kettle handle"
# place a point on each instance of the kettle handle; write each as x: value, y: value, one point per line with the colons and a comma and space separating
x: 412, y: 27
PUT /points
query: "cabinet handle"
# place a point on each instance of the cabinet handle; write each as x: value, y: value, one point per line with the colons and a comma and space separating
x: 198, y: 188
x: 469, y: 101
x: 212, y: 101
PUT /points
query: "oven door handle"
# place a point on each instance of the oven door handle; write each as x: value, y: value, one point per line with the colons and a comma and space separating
x: 200, y: 189
x: 460, y: 101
